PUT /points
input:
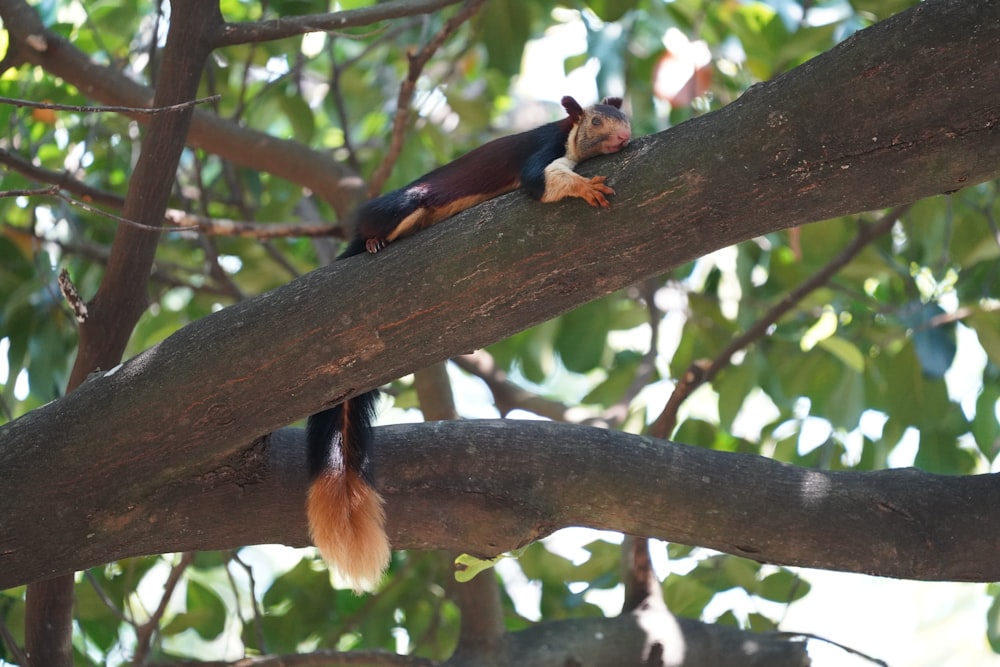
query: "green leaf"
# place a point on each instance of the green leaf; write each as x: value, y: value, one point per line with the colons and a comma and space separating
x: 611, y: 10
x: 734, y: 384
x: 686, y: 596
x: 582, y: 335
x: 760, y: 623
x: 993, y: 623
x: 935, y: 345
x: 783, y: 586
x: 987, y: 328
x: 846, y: 402
x: 985, y: 427
x: 620, y: 377
x: 846, y: 351
x: 206, y: 613
x: 605, y: 557
x: 742, y: 572
x: 468, y: 566
x: 300, y: 116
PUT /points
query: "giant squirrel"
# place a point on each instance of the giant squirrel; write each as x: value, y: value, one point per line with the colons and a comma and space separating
x: 346, y: 518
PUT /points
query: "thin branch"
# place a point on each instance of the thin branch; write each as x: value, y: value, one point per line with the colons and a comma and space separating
x: 32, y: 43
x: 324, y: 658
x: 702, y: 371
x: 165, y: 273
x: 106, y: 599
x: 407, y: 89
x: 117, y: 218
x: 61, y: 178
x: 8, y: 641
x: 641, y: 584
x: 507, y: 395
x: 178, y: 219
x: 842, y: 647
x: 279, y: 258
x: 257, y: 230
x: 144, y: 632
x: 481, y: 606
x: 257, y: 615
x: 56, y: 191
x: 617, y: 413
x: 149, y: 111
x: 290, y: 26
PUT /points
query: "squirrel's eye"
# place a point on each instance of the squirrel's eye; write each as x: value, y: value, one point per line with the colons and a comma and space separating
x: 596, y: 121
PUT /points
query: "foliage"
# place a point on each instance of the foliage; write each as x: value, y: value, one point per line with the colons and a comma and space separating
x: 895, y: 361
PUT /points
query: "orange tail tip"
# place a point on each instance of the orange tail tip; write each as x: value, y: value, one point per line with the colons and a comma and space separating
x: 347, y: 524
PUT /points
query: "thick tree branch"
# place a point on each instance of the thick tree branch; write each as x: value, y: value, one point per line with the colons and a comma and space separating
x: 648, y: 636
x: 129, y: 479
x: 490, y: 486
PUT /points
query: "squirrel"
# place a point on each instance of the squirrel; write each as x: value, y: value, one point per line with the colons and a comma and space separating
x: 345, y: 512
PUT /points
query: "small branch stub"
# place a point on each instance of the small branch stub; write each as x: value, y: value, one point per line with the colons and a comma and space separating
x: 72, y: 297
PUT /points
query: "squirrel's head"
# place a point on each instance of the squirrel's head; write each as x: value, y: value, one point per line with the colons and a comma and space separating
x: 598, y: 129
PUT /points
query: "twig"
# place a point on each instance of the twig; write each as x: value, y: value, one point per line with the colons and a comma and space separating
x: 149, y: 111
x: 617, y: 413
x: 72, y: 296
x: 180, y: 220
x: 842, y: 647
x: 702, y: 371
x: 322, y: 658
x: 144, y: 632
x: 508, y: 395
x: 106, y: 599
x: 7, y: 638
x: 56, y: 191
x: 641, y: 584
x: 166, y: 273
x: 258, y: 230
x: 61, y: 178
x: 261, y: 31
x: 406, y: 90
x: 257, y: 615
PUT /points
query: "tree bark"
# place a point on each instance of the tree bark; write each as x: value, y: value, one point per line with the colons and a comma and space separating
x: 121, y: 299
x: 146, y: 448
x: 490, y: 486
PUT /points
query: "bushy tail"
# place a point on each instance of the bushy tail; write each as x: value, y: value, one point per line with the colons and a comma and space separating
x: 346, y: 518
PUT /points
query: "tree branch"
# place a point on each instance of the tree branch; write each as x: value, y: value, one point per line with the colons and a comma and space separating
x: 31, y: 42
x: 462, y: 486
x: 177, y: 218
x: 290, y: 26
x: 408, y: 86
x: 121, y: 297
x: 702, y: 371
x: 134, y: 479
x: 146, y: 111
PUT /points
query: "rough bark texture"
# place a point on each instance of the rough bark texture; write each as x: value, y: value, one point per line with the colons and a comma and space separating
x: 129, y: 479
x: 486, y: 487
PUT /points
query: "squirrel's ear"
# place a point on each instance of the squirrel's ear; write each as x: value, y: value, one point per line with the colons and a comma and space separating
x: 572, y: 107
x: 615, y: 102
